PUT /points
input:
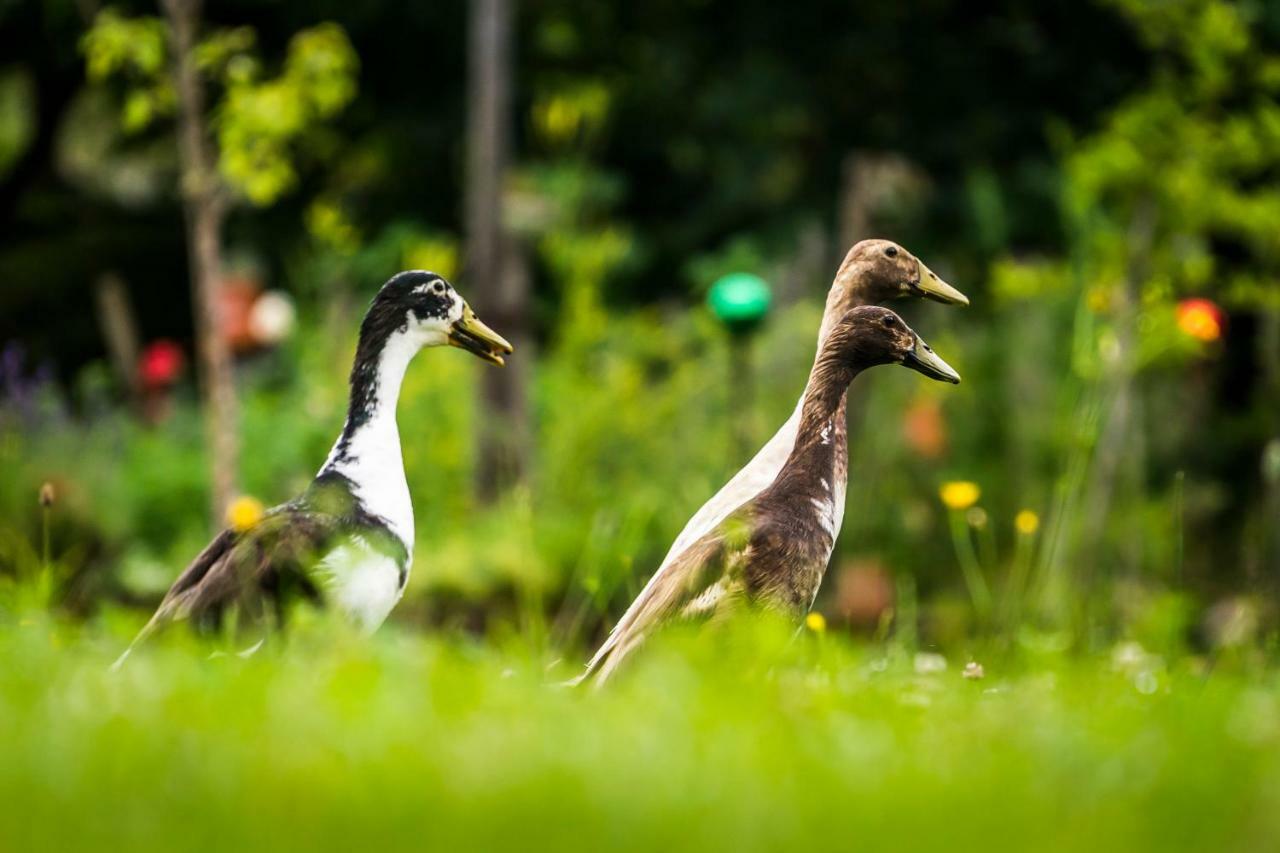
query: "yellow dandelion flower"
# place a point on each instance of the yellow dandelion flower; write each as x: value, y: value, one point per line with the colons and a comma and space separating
x: 815, y: 622
x: 244, y: 512
x: 1027, y: 522
x: 959, y: 494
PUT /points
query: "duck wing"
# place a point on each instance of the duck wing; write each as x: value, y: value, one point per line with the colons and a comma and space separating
x: 213, y: 554
x: 247, y: 569
x: 733, y: 498
x: 703, y: 581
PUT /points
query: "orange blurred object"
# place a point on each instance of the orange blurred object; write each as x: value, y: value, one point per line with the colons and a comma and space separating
x: 1201, y: 319
x: 864, y: 591
x: 924, y: 428
x: 235, y: 310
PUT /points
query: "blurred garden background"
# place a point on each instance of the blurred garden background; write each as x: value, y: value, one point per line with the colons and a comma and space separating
x: 188, y: 240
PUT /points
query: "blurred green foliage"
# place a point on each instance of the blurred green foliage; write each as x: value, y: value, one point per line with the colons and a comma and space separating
x: 16, y: 125
x: 260, y: 122
x: 1194, y: 153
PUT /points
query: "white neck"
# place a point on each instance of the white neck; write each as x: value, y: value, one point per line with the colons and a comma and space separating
x: 370, y: 457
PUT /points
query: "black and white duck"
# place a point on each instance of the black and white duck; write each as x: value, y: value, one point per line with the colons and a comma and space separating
x: 772, y: 551
x: 347, y: 540
x: 872, y: 272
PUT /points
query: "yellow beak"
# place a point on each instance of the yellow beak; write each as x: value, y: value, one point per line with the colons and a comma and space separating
x: 475, y: 337
x: 923, y: 359
x: 932, y: 287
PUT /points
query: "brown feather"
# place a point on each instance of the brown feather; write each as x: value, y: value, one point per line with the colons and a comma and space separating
x: 254, y: 571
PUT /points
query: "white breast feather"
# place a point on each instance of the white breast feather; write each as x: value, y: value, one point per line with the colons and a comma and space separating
x: 361, y: 582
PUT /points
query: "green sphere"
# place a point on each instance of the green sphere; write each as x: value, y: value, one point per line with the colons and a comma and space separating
x: 740, y: 300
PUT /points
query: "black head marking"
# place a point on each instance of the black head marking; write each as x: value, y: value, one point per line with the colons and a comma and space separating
x: 424, y: 294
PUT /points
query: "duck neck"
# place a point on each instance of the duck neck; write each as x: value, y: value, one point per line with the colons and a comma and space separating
x: 818, y: 440
x: 367, y: 452
x: 847, y: 292
x: 845, y: 295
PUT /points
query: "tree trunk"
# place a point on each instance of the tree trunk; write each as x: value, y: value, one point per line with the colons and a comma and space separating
x: 496, y: 275
x: 204, y: 209
x: 119, y: 333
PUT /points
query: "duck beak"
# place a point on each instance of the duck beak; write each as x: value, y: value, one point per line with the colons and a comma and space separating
x: 932, y: 287
x: 470, y: 334
x: 923, y: 359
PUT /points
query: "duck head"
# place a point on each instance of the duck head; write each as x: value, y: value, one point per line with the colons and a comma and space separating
x: 870, y: 335
x: 877, y: 271
x: 425, y: 307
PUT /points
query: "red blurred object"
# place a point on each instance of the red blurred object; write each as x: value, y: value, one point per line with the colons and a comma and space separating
x: 1201, y: 318
x: 924, y: 428
x: 160, y: 365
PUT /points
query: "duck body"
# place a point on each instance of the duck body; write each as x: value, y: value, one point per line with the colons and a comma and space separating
x: 322, y: 546
x: 758, y: 474
x: 873, y: 271
x: 772, y: 551
x: 347, y: 541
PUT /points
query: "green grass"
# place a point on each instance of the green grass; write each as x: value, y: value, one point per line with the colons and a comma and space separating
x: 742, y: 740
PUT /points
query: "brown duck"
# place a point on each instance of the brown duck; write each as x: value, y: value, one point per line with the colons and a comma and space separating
x: 772, y: 551
x: 873, y: 271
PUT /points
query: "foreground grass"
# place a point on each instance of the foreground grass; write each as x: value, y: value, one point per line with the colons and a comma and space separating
x: 747, y: 741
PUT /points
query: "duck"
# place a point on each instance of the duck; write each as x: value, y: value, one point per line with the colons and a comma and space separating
x: 772, y: 551
x: 347, y: 540
x: 873, y: 271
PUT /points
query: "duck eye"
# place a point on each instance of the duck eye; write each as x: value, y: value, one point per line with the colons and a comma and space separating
x: 891, y: 251
x: 889, y: 322
x: 438, y: 287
